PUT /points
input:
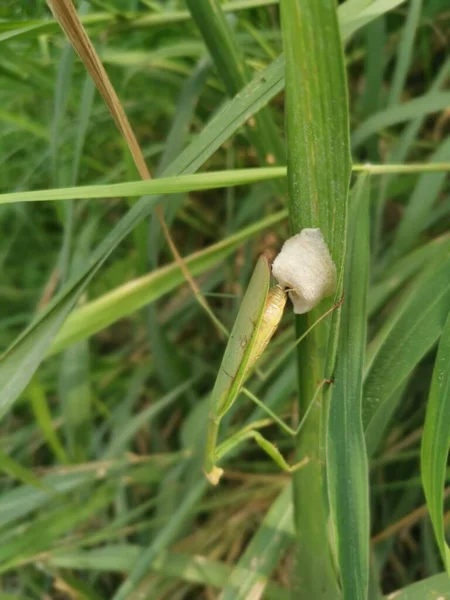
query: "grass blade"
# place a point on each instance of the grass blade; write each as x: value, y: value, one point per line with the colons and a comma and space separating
x: 420, y: 204
x: 405, y: 52
x: 413, y: 109
x: 410, y: 332
x: 432, y: 588
x: 436, y: 443
x: 94, y: 316
x: 224, y: 48
x: 347, y: 468
x: 121, y: 557
x: 265, y: 550
x: 20, y: 361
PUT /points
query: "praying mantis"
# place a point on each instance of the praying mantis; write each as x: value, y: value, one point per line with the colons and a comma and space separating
x: 305, y: 271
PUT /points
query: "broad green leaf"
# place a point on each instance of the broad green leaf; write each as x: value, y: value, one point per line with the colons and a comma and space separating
x: 436, y: 442
x: 347, y: 469
x: 381, y: 419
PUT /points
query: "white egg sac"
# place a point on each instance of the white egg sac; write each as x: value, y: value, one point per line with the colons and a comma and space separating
x: 304, y: 267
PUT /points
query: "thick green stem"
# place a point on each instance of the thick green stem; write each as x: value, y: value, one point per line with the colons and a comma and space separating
x: 318, y: 178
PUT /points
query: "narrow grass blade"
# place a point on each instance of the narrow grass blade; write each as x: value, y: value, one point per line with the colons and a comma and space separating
x: 43, y: 531
x: 20, y: 361
x: 22, y: 500
x: 163, y: 185
x: 410, y: 332
x: 129, y: 429
x: 224, y: 48
x: 17, y: 471
x: 161, y: 541
x: 250, y: 577
x: 42, y: 414
x: 436, y: 442
x: 76, y: 397
x: 121, y: 557
x: 397, y: 275
x: 413, y: 109
x: 354, y: 14
x: 421, y: 203
x: 347, y: 469
x: 405, y: 52
x: 124, y: 300
x: 318, y: 177
x: 401, y: 149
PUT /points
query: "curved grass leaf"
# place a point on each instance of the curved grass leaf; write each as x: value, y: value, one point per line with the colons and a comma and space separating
x: 354, y: 14
x: 411, y: 331
x: 436, y: 442
x: 421, y: 202
x: 413, y: 109
x: 395, y: 276
x: 98, y: 314
x: 347, y: 470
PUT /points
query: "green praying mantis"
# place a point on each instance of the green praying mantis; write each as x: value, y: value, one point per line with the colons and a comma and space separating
x: 257, y: 320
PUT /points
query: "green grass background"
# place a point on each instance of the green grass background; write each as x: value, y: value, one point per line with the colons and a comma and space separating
x: 109, y: 360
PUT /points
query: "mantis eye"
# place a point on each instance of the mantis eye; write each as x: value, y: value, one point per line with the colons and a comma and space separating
x: 305, y: 267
